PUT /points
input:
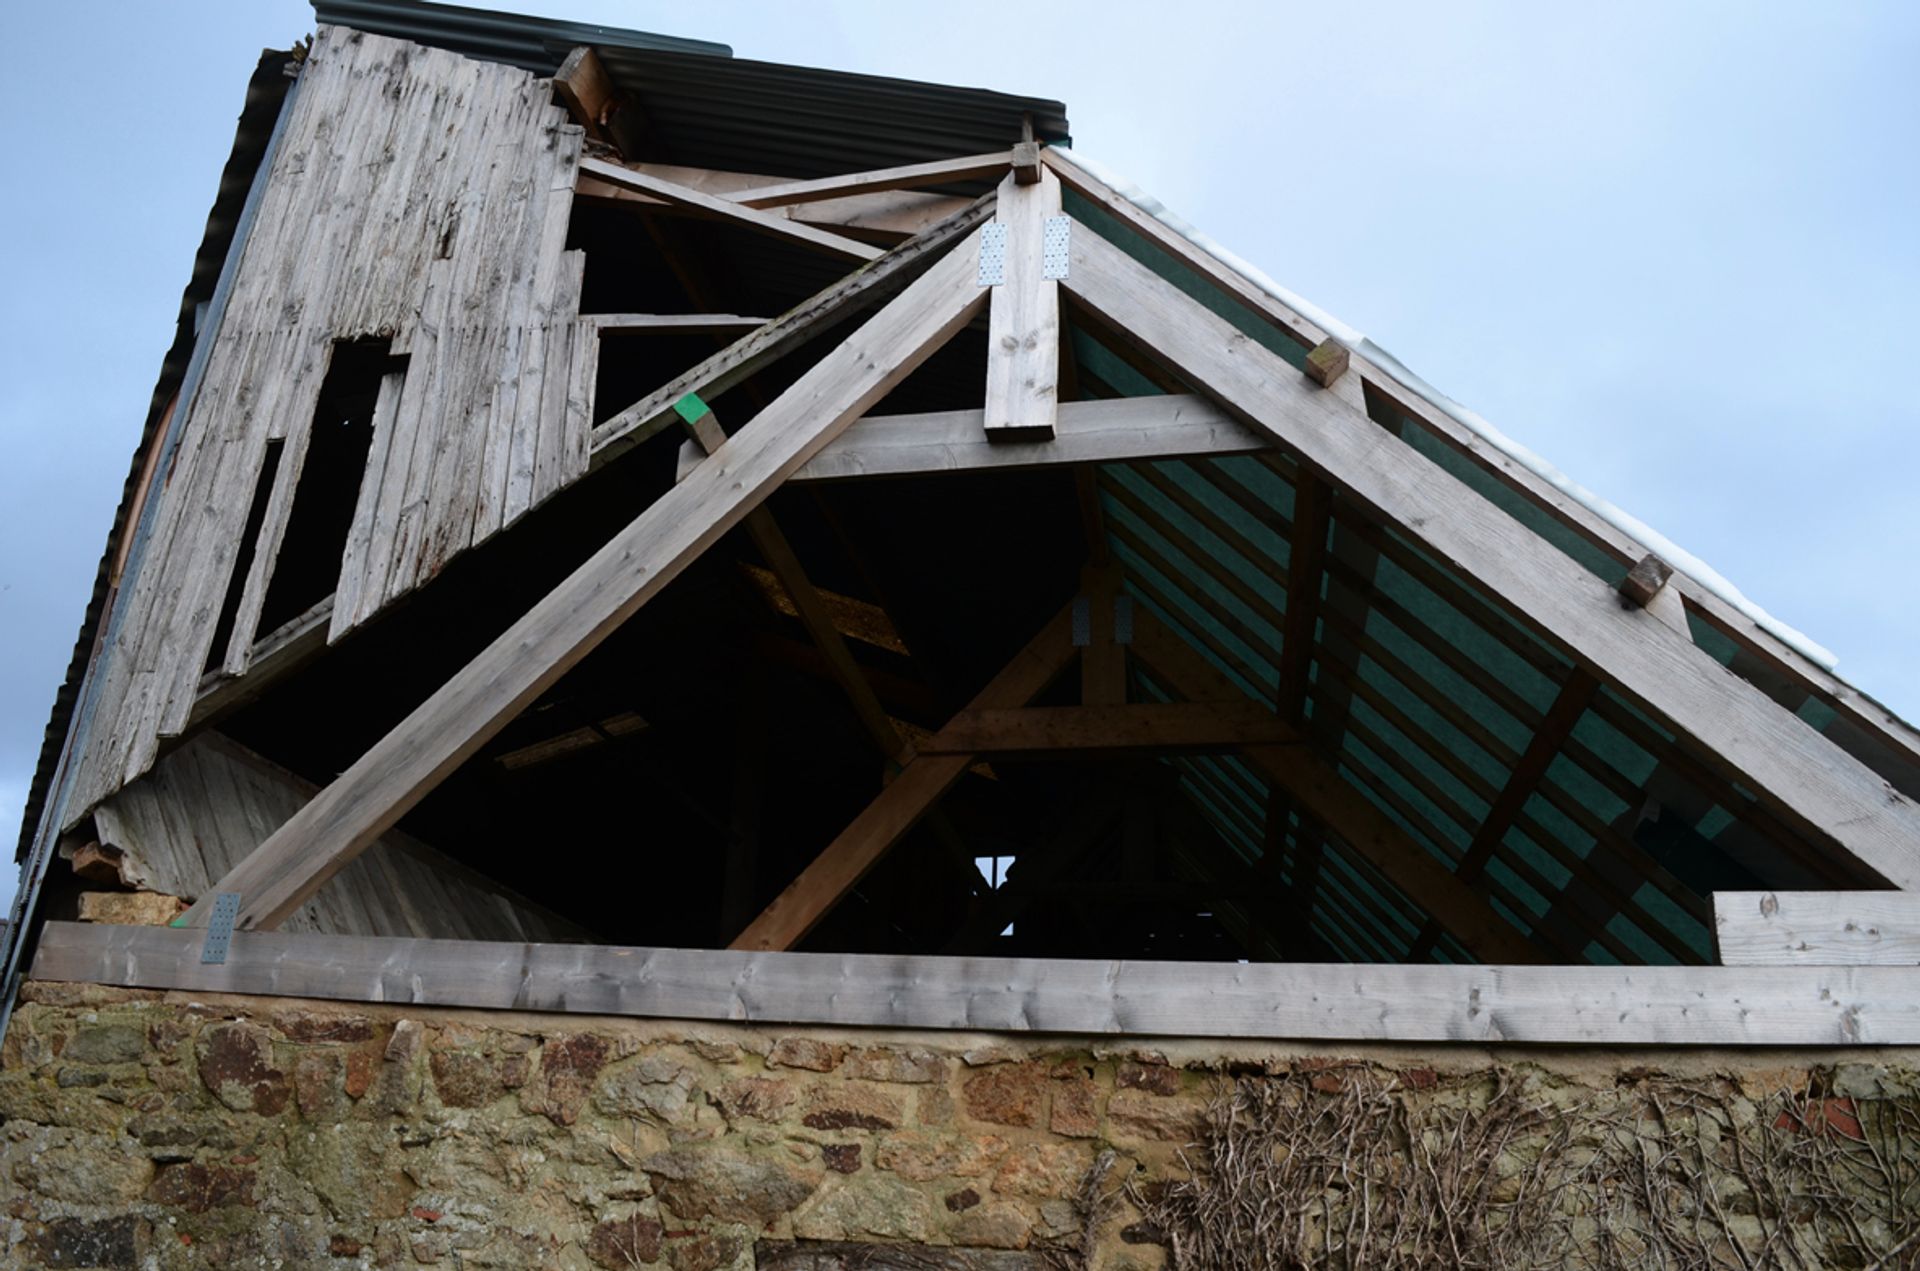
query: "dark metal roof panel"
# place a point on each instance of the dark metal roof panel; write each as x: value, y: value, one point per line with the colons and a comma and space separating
x: 795, y: 121
x: 533, y: 44
x: 707, y: 108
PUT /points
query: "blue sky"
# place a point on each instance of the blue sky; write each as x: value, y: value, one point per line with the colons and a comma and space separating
x: 1675, y: 248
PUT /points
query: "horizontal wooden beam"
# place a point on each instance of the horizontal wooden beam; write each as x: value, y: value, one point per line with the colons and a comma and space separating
x: 1474, y: 1005
x: 1162, y: 727
x: 1116, y: 431
x: 697, y: 203
x: 939, y: 172
x: 1817, y: 928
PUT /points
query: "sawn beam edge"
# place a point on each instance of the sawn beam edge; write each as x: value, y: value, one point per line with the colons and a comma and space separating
x: 1672, y: 1006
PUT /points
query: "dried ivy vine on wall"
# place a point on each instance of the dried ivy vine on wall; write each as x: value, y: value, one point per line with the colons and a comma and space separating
x: 1354, y: 1168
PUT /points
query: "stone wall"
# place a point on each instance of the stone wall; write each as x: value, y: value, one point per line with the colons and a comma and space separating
x: 145, y: 1129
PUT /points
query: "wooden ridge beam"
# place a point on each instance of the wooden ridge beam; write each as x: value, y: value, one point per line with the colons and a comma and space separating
x: 695, y: 203
x: 1319, y: 790
x: 901, y: 804
x: 1817, y: 928
x: 849, y: 297
x: 531, y: 655
x: 906, y: 177
x: 1484, y: 1005
x: 1159, y: 727
x: 1822, y: 789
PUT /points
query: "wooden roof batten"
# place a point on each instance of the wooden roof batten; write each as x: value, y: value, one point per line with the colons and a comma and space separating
x: 918, y: 295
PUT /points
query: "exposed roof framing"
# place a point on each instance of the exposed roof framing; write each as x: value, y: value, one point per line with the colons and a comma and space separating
x: 1363, y: 685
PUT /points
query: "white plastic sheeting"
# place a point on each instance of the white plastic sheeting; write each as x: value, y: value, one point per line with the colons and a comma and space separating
x: 1654, y: 541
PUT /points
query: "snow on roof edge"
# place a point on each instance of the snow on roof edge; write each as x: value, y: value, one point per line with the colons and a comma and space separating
x: 1654, y: 541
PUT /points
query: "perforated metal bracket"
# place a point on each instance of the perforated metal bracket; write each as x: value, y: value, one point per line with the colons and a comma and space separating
x: 993, y: 254
x: 1123, y: 619
x: 1082, y: 622
x: 1055, y: 238
x: 226, y: 908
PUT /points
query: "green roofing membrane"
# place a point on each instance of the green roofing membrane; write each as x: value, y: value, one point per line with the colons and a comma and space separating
x: 1425, y: 699
x: 1426, y: 695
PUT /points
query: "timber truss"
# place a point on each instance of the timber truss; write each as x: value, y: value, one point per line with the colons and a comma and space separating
x: 1230, y: 634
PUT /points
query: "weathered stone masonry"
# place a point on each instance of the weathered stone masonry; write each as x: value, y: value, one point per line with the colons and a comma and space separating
x: 157, y: 1129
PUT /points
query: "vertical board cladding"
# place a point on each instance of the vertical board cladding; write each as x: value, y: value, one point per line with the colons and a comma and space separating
x: 417, y: 197
x: 206, y: 805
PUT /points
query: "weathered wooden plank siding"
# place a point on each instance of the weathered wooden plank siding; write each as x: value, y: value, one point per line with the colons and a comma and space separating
x: 417, y: 197
x: 206, y: 805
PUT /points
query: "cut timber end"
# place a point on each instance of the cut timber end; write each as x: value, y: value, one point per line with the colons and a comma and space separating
x: 1026, y: 163
x: 1326, y: 363
x: 1644, y: 581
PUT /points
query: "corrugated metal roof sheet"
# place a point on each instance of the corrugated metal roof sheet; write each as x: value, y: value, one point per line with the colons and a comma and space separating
x: 533, y: 44
x: 794, y: 121
x: 706, y: 108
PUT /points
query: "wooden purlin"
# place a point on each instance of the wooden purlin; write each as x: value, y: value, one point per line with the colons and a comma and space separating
x: 417, y: 196
x: 602, y: 593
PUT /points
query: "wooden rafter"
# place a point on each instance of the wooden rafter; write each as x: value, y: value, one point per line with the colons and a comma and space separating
x: 1821, y: 788
x: 595, y: 599
x: 1525, y: 778
x: 901, y: 804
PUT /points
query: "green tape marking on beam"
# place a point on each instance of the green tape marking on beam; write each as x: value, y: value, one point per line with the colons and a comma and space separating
x: 691, y: 408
